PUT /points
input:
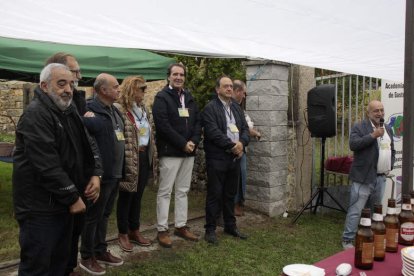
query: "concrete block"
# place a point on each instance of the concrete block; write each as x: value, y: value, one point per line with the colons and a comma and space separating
x: 272, y: 209
x: 269, y: 149
x: 269, y: 118
x: 267, y: 164
x: 268, y: 72
x: 266, y: 179
x: 267, y: 87
x: 279, y: 103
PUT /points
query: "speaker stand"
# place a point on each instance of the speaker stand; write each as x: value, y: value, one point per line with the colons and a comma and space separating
x: 320, y: 191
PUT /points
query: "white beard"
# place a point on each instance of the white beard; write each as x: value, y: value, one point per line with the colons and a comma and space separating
x: 61, y: 103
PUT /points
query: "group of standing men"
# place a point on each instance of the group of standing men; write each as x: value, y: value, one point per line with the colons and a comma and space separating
x: 70, y: 157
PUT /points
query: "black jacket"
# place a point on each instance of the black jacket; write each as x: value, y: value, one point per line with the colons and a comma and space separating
x: 172, y: 132
x: 53, y: 160
x: 216, y: 143
x: 101, y: 128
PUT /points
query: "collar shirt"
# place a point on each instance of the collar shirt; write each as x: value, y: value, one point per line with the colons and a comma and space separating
x: 384, y: 154
x: 231, y: 122
x: 180, y: 95
x: 142, y: 124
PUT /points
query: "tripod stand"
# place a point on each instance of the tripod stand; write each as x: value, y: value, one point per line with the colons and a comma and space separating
x: 320, y: 190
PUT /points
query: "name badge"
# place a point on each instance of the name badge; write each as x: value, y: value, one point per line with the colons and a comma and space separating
x: 119, y: 135
x: 142, y: 131
x: 233, y: 128
x: 183, y: 112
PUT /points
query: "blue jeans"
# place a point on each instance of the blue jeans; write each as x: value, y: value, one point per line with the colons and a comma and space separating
x: 241, y: 189
x: 359, y: 196
x: 45, y: 244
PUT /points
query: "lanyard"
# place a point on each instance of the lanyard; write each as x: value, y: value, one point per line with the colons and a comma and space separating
x: 142, y: 116
x: 182, y: 100
x: 228, y: 111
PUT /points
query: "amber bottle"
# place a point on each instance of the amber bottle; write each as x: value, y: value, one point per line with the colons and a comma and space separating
x: 391, y: 227
x: 364, y: 242
x: 406, y: 222
x: 412, y: 200
x: 378, y: 228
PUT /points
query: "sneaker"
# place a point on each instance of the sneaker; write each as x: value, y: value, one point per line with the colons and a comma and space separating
x: 91, y: 266
x: 347, y: 244
x: 109, y: 259
x: 185, y: 233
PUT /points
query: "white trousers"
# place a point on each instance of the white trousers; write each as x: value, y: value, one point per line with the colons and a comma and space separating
x: 174, y: 171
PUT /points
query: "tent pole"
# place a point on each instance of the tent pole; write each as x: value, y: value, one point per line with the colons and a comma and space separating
x: 408, y: 142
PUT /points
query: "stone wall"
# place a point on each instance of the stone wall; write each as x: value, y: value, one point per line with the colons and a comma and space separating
x: 11, y: 104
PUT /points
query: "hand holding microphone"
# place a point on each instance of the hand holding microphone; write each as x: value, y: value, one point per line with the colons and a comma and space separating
x: 381, y: 123
x: 379, y: 131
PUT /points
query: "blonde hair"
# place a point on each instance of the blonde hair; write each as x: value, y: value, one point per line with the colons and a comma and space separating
x: 128, y: 87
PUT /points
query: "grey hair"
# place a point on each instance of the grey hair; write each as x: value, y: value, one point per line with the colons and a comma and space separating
x: 238, y: 84
x: 46, y: 73
x: 99, y: 82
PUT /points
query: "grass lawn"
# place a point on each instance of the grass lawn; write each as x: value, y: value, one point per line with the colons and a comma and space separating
x: 272, y: 244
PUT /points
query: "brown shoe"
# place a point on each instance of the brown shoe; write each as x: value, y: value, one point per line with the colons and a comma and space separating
x: 184, y: 233
x: 109, y: 259
x: 238, y: 210
x: 136, y: 237
x: 91, y: 266
x: 164, y: 239
x: 124, y: 242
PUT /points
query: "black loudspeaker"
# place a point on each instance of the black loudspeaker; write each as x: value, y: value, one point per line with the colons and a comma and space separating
x: 321, y: 111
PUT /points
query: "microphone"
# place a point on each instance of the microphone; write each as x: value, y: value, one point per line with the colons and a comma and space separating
x: 381, y: 122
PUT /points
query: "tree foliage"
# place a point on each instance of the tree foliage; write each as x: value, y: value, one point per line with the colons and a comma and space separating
x: 203, y: 72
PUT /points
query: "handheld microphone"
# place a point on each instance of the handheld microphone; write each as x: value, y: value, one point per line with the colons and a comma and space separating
x: 381, y: 122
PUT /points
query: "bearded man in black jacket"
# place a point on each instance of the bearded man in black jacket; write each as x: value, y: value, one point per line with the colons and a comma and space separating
x: 55, y: 171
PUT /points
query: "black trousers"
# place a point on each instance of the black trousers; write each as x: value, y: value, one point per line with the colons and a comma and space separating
x: 96, y: 221
x: 223, y: 178
x: 129, y: 203
x: 78, y: 224
x: 45, y: 244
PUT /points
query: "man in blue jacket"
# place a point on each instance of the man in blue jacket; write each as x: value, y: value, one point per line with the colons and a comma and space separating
x: 178, y: 131
x: 226, y: 134
x: 373, y: 145
x: 55, y: 173
x: 104, y: 121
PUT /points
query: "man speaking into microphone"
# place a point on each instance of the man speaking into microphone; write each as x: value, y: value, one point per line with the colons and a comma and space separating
x: 372, y: 143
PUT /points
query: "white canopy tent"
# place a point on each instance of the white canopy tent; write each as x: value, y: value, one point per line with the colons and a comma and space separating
x: 352, y: 36
x: 360, y: 37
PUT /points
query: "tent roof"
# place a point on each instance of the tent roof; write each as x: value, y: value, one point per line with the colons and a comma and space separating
x: 30, y: 56
x: 350, y: 36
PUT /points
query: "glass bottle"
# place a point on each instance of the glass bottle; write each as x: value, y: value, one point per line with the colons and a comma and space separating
x: 406, y: 222
x: 378, y: 228
x: 391, y: 227
x: 364, y: 242
x: 412, y: 200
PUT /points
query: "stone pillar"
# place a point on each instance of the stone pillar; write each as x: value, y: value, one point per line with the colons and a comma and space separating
x: 303, y: 79
x: 267, y: 105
